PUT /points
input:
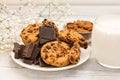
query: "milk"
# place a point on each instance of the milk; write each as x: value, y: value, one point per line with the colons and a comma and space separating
x: 106, y: 40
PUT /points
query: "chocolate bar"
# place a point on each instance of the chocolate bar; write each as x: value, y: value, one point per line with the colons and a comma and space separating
x: 42, y: 63
x: 18, y: 50
x: 35, y: 53
x: 28, y: 61
x: 28, y: 50
x: 47, y: 34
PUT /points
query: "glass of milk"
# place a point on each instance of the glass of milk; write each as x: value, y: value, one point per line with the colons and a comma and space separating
x: 106, y: 40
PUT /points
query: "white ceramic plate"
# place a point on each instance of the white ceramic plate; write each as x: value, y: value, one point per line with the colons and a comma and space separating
x: 85, y: 54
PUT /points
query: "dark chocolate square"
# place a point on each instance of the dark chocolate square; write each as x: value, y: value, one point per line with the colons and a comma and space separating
x: 47, y: 32
x: 43, y: 40
x: 18, y: 50
x: 27, y: 52
x: 35, y: 53
x: 28, y: 61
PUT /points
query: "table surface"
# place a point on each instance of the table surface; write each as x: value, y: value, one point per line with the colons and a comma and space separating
x: 90, y: 70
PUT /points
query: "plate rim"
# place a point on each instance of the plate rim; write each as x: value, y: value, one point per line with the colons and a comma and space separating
x: 22, y: 64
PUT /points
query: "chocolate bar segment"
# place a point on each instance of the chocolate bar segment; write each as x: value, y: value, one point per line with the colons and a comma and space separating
x: 28, y: 61
x: 18, y: 50
x: 35, y: 53
x: 44, y: 40
x: 48, y: 33
x: 42, y: 63
x: 27, y: 52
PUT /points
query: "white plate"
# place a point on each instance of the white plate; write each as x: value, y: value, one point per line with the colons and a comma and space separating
x: 85, y: 54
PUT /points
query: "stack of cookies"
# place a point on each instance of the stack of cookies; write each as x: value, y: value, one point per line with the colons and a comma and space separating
x: 45, y: 46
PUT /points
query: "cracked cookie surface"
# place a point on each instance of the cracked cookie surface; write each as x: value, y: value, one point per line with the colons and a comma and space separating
x: 71, y: 37
x: 55, y: 53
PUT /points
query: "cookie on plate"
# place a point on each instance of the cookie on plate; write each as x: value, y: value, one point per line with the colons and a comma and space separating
x: 71, y: 37
x: 55, y: 53
x: 74, y: 53
x: 80, y: 26
x: 30, y: 33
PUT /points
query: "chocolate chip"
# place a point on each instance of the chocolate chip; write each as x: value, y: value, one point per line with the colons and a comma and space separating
x: 26, y: 37
x: 64, y: 52
x: 61, y: 64
x: 36, y: 28
x: 45, y: 50
x: 57, y: 63
x: 71, y: 58
x: 52, y: 44
x: 46, y: 56
x: 24, y: 33
x: 23, y: 30
x: 30, y: 31
x: 34, y: 25
x: 82, y: 39
x: 51, y: 55
x: 44, y: 20
x: 48, y: 47
x: 55, y: 49
x: 53, y: 60
x: 37, y: 35
x: 59, y: 42
x: 77, y: 59
x: 57, y: 55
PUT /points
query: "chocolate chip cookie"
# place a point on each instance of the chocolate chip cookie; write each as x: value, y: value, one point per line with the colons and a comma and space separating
x: 74, y: 53
x: 80, y: 26
x: 31, y: 32
x: 55, y: 53
x: 71, y: 37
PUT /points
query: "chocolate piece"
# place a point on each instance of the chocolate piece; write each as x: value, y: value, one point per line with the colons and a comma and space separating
x: 35, y: 53
x: 43, y: 40
x: 37, y: 43
x: 28, y: 61
x: 27, y: 52
x: 47, y: 34
x: 18, y: 50
x: 36, y: 61
x: 42, y: 63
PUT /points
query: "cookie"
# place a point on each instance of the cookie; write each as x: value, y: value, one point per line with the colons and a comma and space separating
x: 50, y: 23
x: 80, y: 26
x: 74, y: 53
x: 71, y: 37
x: 30, y: 33
x: 55, y: 53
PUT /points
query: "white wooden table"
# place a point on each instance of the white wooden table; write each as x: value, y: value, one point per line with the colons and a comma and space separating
x: 90, y: 70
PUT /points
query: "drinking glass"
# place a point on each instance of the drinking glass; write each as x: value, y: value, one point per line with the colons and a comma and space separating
x: 106, y: 40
